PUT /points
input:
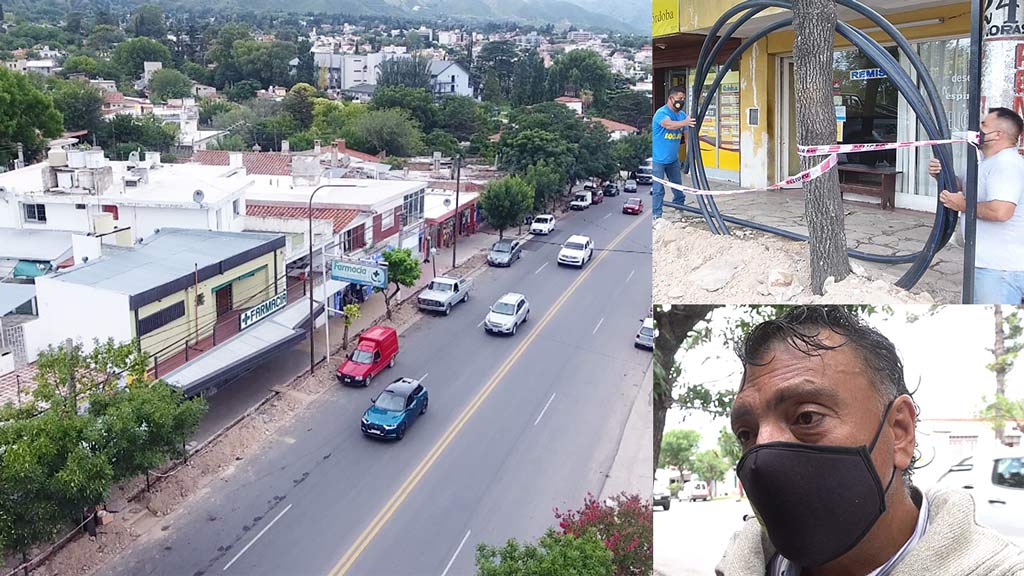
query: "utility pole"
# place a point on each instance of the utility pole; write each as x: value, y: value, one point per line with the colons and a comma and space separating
x: 458, y: 214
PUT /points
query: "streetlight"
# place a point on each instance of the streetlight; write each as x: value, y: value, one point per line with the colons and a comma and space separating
x: 312, y: 361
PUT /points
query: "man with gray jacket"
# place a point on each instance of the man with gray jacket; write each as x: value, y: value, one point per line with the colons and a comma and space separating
x: 827, y: 429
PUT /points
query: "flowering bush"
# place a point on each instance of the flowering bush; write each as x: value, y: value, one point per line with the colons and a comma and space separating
x: 626, y: 525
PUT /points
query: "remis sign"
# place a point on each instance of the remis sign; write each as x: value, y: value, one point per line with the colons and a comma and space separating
x: 262, y: 310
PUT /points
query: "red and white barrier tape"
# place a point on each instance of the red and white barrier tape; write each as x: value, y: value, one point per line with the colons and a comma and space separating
x: 833, y: 151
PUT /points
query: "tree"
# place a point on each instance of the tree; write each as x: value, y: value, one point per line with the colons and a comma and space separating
x: 529, y: 79
x: 73, y: 23
x: 547, y: 181
x: 554, y: 555
x: 80, y: 65
x: 264, y: 62
x: 505, y: 202
x: 242, y: 91
x: 1003, y: 410
x: 403, y: 270
x: 594, y: 153
x: 168, y: 83
x: 629, y: 107
x: 197, y: 72
x: 814, y: 23
x: 492, y: 89
x: 124, y: 134
x: 28, y: 116
x: 711, y: 468
x: 580, y: 70
x: 104, y: 36
x: 628, y: 152
x: 461, y: 117
x: 148, y: 21
x: 79, y: 103
x: 392, y: 131
x: 729, y: 447
x: 1008, y: 344
x: 299, y: 104
x: 443, y: 142
x: 222, y: 54
x: 130, y: 55
x: 624, y: 522
x: 496, y: 64
x: 678, y: 448
x: 417, y: 101
x: 521, y: 149
x: 409, y: 72
x: 352, y: 313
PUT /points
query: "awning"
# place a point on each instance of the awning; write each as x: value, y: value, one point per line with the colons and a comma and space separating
x: 14, y: 295
x: 31, y: 268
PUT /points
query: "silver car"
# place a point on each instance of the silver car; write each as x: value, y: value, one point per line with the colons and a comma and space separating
x: 507, y: 314
x: 504, y: 252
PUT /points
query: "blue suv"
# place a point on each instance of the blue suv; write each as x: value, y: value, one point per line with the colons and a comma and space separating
x: 395, y: 409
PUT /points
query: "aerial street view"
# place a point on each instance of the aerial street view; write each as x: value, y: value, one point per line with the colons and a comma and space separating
x: 323, y: 290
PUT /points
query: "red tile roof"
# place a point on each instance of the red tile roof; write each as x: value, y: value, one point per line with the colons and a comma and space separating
x: 9, y: 384
x: 567, y: 99
x: 362, y: 156
x: 267, y: 163
x: 614, y: 126
x: 340, y: 217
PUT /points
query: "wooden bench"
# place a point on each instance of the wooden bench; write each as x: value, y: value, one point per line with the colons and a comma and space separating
x: 885, y: 189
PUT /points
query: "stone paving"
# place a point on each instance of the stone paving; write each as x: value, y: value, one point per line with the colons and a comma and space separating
x: 868, y: 228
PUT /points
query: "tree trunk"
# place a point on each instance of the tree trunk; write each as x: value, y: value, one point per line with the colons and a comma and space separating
x: 815, y: 22
x: 999, y: 367
x: 674, y: 325
x: 344, y: 341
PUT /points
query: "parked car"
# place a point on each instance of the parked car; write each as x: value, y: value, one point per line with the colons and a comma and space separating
x: 630, y: 186
x: 395, y: 409
x: 643, y: 175
x: 645, y: 335
x: 699, y: 491
x: 504, y: 252
x: 610, y: 189
x: 376, y: 350
x: 577, y: 251
x: 996, y: 481
x: 597, y: 197
x: 581, y: 201
x: 443, y: 293
x: 543, y: 224
x: 662, y: 497
x: 507, y: 314
x: 590, y: 185
x: 633, y: 206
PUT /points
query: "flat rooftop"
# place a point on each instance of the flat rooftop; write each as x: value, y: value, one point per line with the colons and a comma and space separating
x: 355, y: 194
x: 166, y: 262
x: 30, y: 244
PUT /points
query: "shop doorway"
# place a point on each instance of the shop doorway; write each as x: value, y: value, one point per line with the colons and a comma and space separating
x: 224, y: 300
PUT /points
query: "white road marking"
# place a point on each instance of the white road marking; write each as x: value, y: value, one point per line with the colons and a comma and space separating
x: 630, y: 275
x: 541, y: 268
x: 544, y: 410
x: 456, y: 555
x: 424, y: 377
x: 606, y: 215
x: 239, y: 555
x: 599, y: 322
x: 481, y: 323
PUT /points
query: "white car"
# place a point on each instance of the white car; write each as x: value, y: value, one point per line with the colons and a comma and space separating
x: 577, y: 251
x: 543, y: 224
x: 507, y: 314
x: 996, y: 482
x: 645, y: 336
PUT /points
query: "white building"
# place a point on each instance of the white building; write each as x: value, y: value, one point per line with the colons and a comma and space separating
x: 575, y: 103
x: 580, y: 36
x: 449, y: 78
x: 343, y: 71
x: 450, y: 37
x: 44, y: 67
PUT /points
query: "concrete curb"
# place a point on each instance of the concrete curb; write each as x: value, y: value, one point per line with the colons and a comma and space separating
x: 630, y: 471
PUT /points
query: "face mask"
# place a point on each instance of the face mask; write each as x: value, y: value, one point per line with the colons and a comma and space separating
x: 983, y: 136
x: 677, y: 105
x: 816, y: 502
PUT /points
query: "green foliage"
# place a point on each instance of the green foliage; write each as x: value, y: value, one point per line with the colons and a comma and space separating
x: 417, y: 101
x: 210, y: 108
x: 1012, y: 342
x: 270, y: 131
x: 629, y: 107
x: 461, y: 116
x: 594, y: 153
x: 505, y: 202
x: 554, y: 555
x: 403, y: 270
x: 547, y: 181
x: 80, y: 65
x: 529, y: 80
x: 104, y: 37
x: 352, y: 313
x: 299, y: 104
x: 169, y: 83
x: 392, y: 131
x: 79, y: 103
x: 264, y: 62
x: 130, y: 55
x: 28, y: 114
x: 580, y: 70
x: 625, y: 525
x: 124, y: 133
x: 1003, y: 410
x: 521, y: 149
x: 148, y: 21
x: 197, y: 72
x: 628, y: 152
x: 242, y: 90
x: 729, y: 447
x: 492, y: 89
x: 496, y: 65
x: 409, y: 72
x: 709, y: 466
x: 678, y: 448
x: 443, y: 142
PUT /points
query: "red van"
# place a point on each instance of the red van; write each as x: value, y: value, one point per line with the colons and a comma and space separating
x: 375, y: 351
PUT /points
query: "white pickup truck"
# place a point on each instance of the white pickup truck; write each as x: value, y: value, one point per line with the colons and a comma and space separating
x: 581, y: 201
x: 443, y: 293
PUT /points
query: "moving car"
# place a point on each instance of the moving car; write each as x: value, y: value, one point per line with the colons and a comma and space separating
x: 996, y: 482
x: 507, y: 314
x: 395, y: 409
x: 662, y: 497
x: 643, y: 174
x: 645, y: 335
x: 633, y: 206
x: 543, y: 224
x: 699, y: 491
x: 577, y: 251
x: 504, y: 252
x: 597, y: 197
x: 443, y: 293
x: 376, y: 350
x: 610, y: 189
x: 630, y: 186
x: 581, y: 201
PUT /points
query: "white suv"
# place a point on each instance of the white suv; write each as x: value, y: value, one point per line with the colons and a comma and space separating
x: 577, y: 251
x: 507, y: 314
x: 543, y: 224
x: 996, y: 479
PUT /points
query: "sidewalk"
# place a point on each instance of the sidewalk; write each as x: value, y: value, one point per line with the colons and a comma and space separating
x: 631, y: 471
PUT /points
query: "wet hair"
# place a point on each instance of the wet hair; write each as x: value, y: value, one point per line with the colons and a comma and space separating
x: 805, y: 328
x: 1011, y: 117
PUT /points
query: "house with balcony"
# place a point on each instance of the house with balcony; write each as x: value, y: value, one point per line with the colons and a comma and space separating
x: 448, y: 77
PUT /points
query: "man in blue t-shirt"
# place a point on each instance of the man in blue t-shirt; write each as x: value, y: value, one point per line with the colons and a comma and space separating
x: 669, y: 131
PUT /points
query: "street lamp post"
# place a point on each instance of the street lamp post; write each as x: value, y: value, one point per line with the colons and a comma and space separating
x: 309, y: 277
x: 458, y: 215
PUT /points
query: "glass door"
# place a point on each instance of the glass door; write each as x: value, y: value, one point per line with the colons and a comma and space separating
x: 788, y: 160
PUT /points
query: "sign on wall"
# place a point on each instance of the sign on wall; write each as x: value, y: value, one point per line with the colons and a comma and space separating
x: 355, y: 273
x: 867, y: 74
x: 1002, y: 69
x: 666, y: 17
x: 263, y: 309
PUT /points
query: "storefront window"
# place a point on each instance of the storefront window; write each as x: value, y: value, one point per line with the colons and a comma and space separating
x: 947, y: 62
x: 720, y: 131
x: 871, y: 101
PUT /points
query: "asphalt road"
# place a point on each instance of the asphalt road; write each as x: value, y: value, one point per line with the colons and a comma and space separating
x: 517, y: 426
x: 690, y: 538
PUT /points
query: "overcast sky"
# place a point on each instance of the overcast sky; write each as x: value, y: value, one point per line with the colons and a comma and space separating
x: 947, y: 350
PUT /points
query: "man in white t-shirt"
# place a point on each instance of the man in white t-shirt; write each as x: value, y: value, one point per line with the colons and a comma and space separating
x: 999, y: 260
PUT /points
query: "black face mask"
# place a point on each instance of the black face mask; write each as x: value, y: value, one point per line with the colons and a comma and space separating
x: 677, y: 105
x: 816, y: 502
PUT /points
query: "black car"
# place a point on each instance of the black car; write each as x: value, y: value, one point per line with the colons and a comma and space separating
x: 610, y: 189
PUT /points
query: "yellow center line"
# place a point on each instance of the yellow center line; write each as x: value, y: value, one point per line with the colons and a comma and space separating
x: 357, y: 548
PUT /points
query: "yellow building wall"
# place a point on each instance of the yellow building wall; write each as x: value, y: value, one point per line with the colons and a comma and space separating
x: 170, y: 338
x: 699, y: 15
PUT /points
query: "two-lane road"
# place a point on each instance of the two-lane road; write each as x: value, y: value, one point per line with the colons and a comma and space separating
x: 517, y: 426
